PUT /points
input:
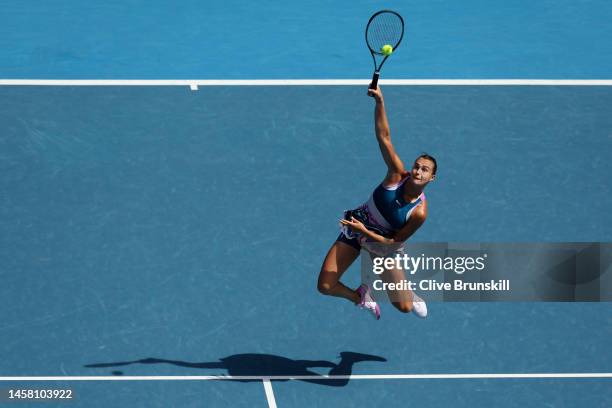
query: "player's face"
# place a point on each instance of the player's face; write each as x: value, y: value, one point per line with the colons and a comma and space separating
x: 422, y: 171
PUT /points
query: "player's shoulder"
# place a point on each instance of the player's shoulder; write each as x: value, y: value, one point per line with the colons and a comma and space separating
x: 420, y: 211
x: 394, y: 178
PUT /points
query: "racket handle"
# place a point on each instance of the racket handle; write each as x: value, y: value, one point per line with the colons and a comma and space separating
x: 374, y: 82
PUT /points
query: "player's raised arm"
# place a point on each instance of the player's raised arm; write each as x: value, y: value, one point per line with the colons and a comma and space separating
x: 395, y: 167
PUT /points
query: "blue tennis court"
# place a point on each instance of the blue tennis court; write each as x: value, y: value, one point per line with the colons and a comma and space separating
x: 161, y: 245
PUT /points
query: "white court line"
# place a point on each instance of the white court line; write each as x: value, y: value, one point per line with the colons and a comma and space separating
x: 269, y: 393
x: 195, y: 83
x: 308, y: 377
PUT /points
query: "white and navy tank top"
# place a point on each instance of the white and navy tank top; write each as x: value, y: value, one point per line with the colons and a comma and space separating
x: 388, y: 208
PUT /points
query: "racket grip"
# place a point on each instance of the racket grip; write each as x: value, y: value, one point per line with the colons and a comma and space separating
x: 374, y: 82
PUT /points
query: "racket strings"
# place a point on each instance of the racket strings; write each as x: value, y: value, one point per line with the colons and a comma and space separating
x: 385, y: 28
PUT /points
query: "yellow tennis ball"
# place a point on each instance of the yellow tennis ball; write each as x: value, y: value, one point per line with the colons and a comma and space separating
x: 386, y: 50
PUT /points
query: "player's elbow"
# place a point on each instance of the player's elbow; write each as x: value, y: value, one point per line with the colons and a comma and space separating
x: 384, y: 135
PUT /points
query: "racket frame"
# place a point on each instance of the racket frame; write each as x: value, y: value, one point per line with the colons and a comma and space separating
x: 377, y: 67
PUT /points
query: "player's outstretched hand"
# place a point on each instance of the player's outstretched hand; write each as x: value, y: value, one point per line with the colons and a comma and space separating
x: 376, y: 94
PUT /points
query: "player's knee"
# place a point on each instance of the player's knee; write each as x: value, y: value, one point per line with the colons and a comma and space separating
x: 404, y: 307
x: 325, y: 286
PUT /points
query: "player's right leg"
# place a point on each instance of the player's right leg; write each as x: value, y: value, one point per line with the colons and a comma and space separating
x: 338, y: 259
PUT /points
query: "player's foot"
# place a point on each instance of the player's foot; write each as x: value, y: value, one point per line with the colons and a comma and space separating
x: 419, y: 308
x: 367, y: 301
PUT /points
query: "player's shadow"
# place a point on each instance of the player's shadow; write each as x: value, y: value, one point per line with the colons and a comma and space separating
x: 266, y: 365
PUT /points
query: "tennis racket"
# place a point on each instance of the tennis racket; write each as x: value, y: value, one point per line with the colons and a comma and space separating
x: 385, y: 27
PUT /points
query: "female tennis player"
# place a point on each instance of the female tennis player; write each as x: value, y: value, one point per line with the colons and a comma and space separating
x: 394, y: 212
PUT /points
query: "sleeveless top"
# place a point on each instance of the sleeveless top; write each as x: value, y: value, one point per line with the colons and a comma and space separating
x: 385, y: 212
x: 388, y: 206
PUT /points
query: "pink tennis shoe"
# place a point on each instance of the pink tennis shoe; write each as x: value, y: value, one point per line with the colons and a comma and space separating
x: 367, y: 301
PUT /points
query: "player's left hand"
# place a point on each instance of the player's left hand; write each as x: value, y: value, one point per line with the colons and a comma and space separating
x: 354, y: 224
